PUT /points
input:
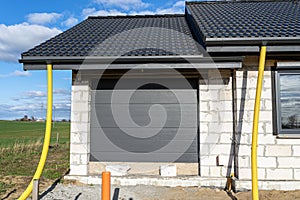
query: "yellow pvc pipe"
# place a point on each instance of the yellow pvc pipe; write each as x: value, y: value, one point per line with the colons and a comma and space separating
x: 261, y: 70
x: 47, y: 138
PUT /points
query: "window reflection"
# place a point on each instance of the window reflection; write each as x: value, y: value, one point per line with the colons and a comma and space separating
x: 290, y: 101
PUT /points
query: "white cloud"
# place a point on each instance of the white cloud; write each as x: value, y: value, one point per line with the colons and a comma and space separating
x: 124, y: 4
x: 93, y: 12
x: 35, y: 93
x: 176, y: 8
x: 61, y: 91
x: 43, y: 18
x: 71, y: 21
x: 16, y: 73
x: 17, y: 38
x: 21, y: 73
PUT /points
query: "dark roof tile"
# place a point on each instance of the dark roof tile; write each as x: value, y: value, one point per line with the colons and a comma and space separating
x: 122, y: 36
x: 246, y: 19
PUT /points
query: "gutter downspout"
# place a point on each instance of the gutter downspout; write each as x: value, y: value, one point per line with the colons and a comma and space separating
x: 47, y: 138
x: 260, y: 77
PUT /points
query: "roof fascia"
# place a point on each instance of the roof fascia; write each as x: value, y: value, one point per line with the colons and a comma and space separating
x: 252, y: 41
x: 254, y: 49
x: 207, y: 65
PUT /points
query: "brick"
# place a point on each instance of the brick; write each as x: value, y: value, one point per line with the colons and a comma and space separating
x: 279, y: 174
x: 296, y: 150
x: 224, y: 127
x: 207, y: 117
x: 267, y: 83
x: 288, y: 162
x: 168, y: 170
x: 288, y: 141
x: 246, y: 127
x: 80, y: 170
x: 266, y: 94
x: 297, y: 174
x: 85, y: 117
x: 246, y: 150
x: 75, y: 116
x: 204, y: 171
x: 278, y: 150
x: 84, y: 158
x: 245, y: 173
x: 244, y: 161
x: 268, y: 104
x: 209, y: 138
x: 79, y: 107
x: 76, y: 96
x: 269, y: 128
x: 266, y: 162
x: 266, y: 139
x: 204, y: 106
x: 85, y: 96
x: 80, y: 88
x: 80, y: 127
x: 215, y: 171
x: 79, y: 148
x: 225, y: 95
x: 208, y: 160
x: 203, y: 127
x: 221, y: 105
x: 205, y: 149
x: 209, y: 95
x: 265, y: 116
x: 220, y: 149
x: 225, y: 116
x: 226, y: 138
x: 75, y: 159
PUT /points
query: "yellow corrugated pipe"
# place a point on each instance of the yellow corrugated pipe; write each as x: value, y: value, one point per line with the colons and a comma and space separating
x: 47, y: 138
x: 261, y: 70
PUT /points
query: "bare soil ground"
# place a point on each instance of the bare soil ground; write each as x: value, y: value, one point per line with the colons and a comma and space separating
x: 73, y: 191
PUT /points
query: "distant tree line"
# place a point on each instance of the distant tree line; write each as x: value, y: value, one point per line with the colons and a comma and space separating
x: 33, y: 119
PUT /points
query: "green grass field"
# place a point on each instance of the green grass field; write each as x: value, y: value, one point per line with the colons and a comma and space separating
x: 20, y: 150
x: 12, y: 132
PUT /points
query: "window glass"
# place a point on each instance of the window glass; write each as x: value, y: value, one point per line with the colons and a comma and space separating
x: 289, y: 102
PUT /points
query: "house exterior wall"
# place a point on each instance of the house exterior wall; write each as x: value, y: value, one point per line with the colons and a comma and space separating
x: 278, y: 158
x: 80, y: 129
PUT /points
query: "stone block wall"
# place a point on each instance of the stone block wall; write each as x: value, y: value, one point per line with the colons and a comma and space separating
x: 80, y: 129
x: 278, y: 158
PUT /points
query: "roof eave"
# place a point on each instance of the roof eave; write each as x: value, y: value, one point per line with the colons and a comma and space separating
x: 252, y: 41
x: 75, y: 63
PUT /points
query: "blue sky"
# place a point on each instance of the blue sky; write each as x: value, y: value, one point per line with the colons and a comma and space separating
x: 24, y: 24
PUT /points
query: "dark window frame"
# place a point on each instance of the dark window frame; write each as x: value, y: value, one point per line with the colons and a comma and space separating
x: 277, y: 120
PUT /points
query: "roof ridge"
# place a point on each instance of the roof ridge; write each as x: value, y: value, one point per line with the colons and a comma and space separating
x: 136, y: 16
x: 235, y: 1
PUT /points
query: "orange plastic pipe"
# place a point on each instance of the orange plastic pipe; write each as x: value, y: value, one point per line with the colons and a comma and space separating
x: 105, y: 186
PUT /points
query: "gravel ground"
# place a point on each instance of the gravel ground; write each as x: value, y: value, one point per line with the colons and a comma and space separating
x: 140, y: 192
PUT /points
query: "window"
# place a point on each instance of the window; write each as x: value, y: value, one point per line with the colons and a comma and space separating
x: 287, y: 102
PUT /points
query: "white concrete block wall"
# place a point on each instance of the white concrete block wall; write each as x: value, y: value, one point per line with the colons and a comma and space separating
x: 278, y: 159
x: 215, y: 96
x: 80, y: 130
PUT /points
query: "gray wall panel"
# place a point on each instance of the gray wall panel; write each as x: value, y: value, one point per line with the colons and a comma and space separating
x: 149, y: 139
x: 144, y: 96
x: 184, y: 115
